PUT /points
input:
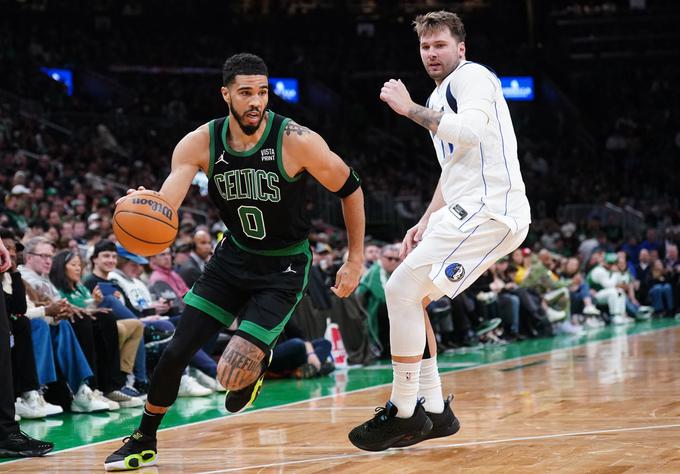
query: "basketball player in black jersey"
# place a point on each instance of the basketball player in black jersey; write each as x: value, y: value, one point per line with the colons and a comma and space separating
x: 257, y: 163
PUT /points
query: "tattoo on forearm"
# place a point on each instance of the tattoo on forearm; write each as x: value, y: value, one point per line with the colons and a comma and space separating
x: 428, y: 118
x: 241, y: 363
x: 292, y: 127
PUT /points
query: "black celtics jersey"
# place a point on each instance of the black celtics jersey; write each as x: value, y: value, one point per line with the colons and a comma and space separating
x: 263, y: 207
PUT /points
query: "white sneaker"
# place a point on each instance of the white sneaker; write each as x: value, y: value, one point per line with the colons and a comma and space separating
x: 567, y: 327
x: 207, y: 381
x: 592, y: 323
x: 591, y: 310
x: 619, y: 320
x: 113, y: 406
x: 26, y: 406
x: 48, y: 407
x: 189, y: 387
x: 555, y: 315
x: 125, y: 401
x: 86, y: 401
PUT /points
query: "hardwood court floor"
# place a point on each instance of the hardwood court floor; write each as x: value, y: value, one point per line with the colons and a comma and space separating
x: 608, y: 406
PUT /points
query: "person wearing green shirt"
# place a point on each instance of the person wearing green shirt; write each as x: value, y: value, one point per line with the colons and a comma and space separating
x: 371, y: 294
x: 123, y: 335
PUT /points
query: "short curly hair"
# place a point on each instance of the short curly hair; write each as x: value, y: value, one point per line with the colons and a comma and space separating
x: 243, y: 63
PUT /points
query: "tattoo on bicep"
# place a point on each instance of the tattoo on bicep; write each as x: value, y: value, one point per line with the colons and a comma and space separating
x: 242, y: 360
x: 292, y: 127
x: 428, y: 118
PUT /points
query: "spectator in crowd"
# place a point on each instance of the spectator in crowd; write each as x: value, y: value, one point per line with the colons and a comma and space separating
x: 628, y: 284
x: 30, y: 402
x: 606, y: 286
x: 660, y: 289
x: 521, y: 259
x: 182, y: 254
x: 165, y: 282
x: 371, y: 254
x: 652, y: 243
x: 579, y: 294
x: 65, y: 274
x: 199, y: 256
x: 82, y: 377
x: 104, y: 259
x: 138, y: 298
x: 642, y: 270
x: 554, y: 292
x: 371, y: 294
x: 12, y: 213
x: 508, y: 300
x: 13, y: 441
x: 673, y: 268
x: 295, y: 356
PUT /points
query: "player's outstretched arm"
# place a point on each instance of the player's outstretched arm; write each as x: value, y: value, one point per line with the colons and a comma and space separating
x: 306, y: 150
x: 191, y: 154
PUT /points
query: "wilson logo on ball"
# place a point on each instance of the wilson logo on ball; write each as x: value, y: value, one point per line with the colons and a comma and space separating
x: 155, y: 206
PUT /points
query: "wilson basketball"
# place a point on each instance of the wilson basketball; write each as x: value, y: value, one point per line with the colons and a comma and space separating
x: 145, y: 223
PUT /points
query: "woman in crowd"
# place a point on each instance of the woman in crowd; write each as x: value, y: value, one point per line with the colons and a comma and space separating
x: 116, y: 341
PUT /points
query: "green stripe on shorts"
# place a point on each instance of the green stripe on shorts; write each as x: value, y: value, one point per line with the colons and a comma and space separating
x: 208, y: 307
x: 268, y: 336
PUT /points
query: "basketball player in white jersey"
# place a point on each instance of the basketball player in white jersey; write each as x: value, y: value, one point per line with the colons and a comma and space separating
x: 479, y: 213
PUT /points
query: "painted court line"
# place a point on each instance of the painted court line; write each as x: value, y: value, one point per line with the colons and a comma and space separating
x: 443, y: 446
x: 336, y: 395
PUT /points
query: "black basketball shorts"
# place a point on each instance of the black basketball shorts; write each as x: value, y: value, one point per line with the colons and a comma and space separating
x: 260, y: 289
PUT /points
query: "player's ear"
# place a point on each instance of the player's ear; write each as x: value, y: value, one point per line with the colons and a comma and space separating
x: 461, y: 49
x: 225, y: 94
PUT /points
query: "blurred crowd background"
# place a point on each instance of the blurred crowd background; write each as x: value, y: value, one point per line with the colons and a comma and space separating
x: 599, y: 148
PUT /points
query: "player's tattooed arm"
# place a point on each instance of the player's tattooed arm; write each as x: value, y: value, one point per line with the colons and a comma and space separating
x: 240, y: 364
x: 428, y: 118
x: 294, y: 128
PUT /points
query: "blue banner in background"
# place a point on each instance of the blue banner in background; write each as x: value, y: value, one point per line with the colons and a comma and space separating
x: 518, y: 87
x: 64, y: 76
x: 285, y: 87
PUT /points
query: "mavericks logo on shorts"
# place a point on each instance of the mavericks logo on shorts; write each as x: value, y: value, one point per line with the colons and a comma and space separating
x: 455, y: 272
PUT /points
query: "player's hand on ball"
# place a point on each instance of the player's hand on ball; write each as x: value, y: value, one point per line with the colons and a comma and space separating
x: 413, y: 236
x: 130, y: 191
x: 395, y: 94
x: 347, y: 279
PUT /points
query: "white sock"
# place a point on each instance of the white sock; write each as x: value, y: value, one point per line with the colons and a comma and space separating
x: 431, y: 386
x: 405, y: 387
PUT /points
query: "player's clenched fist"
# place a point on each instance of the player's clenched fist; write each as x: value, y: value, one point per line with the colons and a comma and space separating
x: 395, y: 94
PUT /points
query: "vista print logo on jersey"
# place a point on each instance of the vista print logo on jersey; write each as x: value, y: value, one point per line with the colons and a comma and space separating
x: 268, y: 154
x: 455, y: 272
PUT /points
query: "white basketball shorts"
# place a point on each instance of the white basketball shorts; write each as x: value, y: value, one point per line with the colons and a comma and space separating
x: 459, y: 250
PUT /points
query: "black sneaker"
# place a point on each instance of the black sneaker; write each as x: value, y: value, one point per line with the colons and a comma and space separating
x: 237, y: 400
x: 138, y: 451
x: 443, y: 424
x: 385, y: 430
x: 19, y: 444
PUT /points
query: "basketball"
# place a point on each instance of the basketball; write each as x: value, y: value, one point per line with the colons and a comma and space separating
x: 145, y: 223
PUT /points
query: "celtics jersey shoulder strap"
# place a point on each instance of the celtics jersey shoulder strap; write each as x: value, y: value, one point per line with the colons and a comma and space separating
x: 263, y: 207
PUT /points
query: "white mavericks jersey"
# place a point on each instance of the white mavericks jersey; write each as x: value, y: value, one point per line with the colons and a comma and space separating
x: 484, y: 180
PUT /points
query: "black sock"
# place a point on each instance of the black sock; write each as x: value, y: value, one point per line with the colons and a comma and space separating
x: 150, y: 423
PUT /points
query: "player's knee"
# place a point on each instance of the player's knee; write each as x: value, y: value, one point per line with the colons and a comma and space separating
x: 392, y: 286
x: 404, y: 287
x: 229, y: 377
